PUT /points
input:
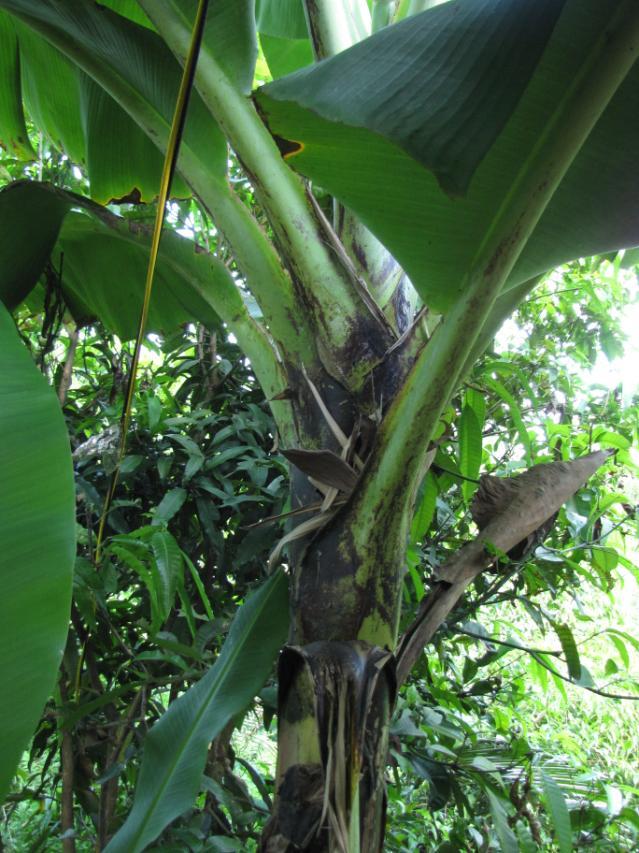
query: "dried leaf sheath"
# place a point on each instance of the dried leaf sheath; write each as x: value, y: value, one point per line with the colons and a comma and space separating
x: 533, y: 497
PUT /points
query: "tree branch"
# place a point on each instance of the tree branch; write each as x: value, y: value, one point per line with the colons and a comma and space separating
x: 595, y: 690
x: 67, y: 761
x: 67, y: 370
x: 507, y: 643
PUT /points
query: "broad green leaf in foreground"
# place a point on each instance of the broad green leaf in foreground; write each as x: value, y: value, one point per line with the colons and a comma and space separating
x: 175, y: 748
x: 27, y: 237
x: 282, y: 18
x: 284, y: 56
x: 448, y: 129
x: 129, y: 9
x: 104, y: 258
x: 104, y: 263
x: 37, y: 545
x: 441, y: 101
x: 50, y: 91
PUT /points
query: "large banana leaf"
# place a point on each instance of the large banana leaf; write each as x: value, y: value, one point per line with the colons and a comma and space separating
x: 229, y: 32
x: 96, y: 128
x: 13, y: 131
x: 29, y: 226
x: 229, y: 36
x: 422, y: 128
x: 103, y: 259
x: 282, y: 18
x: 51, y: 93
x: 129, y: 9
x: 283, y: 35
x: 37, y: 545
x: 175, y: 748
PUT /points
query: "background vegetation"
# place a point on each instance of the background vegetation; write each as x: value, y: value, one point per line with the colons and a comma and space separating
x: 517, y: 728
x: 490, y: 748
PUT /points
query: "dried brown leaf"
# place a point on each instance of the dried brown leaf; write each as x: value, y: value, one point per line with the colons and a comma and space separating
x: 325, y: 466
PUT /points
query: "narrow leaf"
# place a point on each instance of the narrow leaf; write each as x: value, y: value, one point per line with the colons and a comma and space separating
x: 477, y: 402
x: 570, y: 650
x: 144, y: 573
x: 172, y: 502
x: 426, y: 509
x: 515, y: 413
x: 621, y: 649
x: 507, y: 839
x: 469, y: 450
x: 197, y: 580
x: 168, y: 569
x: 556, y: 803
x: 175, y: 748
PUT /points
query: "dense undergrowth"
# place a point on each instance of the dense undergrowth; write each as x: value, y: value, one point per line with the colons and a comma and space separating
x: 505, y: 737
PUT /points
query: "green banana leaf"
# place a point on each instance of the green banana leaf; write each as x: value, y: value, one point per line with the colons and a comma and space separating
x: 95, y: 129
x: 175, y: 748
x: 104, y: 259
x: 422, y: 128
x: 229, y: 36
x: 283, y: 35
x: 284, y: 55
x: 282, y: 18
x: 129, y: 9
x: 51, y: 92
x: 37, y: 545
x: 13, y: 130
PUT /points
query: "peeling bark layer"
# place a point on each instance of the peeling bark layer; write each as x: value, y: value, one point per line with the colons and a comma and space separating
x: 335, y: 701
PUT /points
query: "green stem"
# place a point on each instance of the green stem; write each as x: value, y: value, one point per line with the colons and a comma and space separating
x: 334, y: 25
x: 332, y: 294
x: 332, y: 29
x: 382, y: 13
x: 398, y: 460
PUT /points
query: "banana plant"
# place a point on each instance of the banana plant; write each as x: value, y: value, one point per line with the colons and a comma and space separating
x: 421, y: 167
